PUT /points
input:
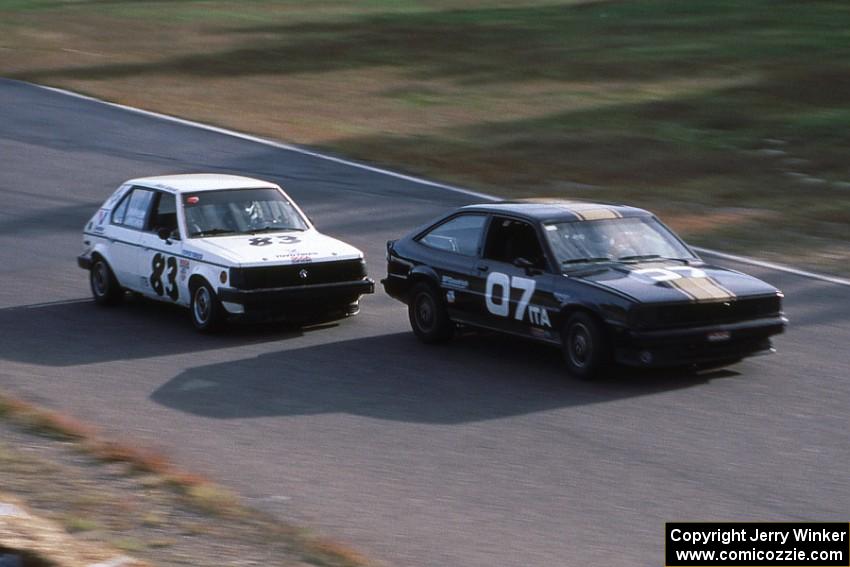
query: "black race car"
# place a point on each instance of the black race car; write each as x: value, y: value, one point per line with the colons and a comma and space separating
x: 606, y: 283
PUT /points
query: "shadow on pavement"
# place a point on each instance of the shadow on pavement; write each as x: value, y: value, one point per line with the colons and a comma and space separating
x: 394, y: 377
x: 76, y: 333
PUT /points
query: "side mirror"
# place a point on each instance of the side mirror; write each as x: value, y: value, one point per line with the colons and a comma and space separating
x: 164, y: 233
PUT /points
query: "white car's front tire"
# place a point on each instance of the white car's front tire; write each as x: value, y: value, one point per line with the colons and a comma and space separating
x: 207, y: 312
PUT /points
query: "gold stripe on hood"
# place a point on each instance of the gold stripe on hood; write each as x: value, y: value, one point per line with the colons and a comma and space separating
x: 701, y: 289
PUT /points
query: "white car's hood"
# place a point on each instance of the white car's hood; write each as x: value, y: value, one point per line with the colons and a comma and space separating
x: 272, y: 248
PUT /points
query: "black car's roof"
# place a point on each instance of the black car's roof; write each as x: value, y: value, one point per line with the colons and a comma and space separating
x: 558, y: 210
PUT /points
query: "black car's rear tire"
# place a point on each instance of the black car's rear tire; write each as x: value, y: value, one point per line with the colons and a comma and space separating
x: 205, y: 308
x: 428, y: 315
x: 105, y: 289
x: 586, y: 350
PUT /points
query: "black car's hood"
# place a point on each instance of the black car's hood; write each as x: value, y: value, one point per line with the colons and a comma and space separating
x: 662, y: 282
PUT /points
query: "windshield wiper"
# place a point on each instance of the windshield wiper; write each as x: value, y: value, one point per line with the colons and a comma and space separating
x: 639, y: 257
x: 213, y: 232
x: 275, y: 229
x: 586, y: 260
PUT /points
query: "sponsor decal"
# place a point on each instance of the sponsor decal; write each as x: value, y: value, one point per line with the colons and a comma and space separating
x: 101, y: 215
x: 193, y: 200
x: 184, y: 269
x: 297, y: 257
x: 449, y: 281
x: 450, y: 296
x: 193, y: 255
x: 539, y: 316
x: 99, y: 228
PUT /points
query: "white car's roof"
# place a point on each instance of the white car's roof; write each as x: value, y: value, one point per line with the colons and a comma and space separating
x: 194, y: 182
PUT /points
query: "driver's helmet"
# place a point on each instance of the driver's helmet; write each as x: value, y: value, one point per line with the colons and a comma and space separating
x: 253, y: 211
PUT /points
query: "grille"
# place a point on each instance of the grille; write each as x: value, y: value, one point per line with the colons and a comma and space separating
x: 284, y: 276
x: 701, y: 314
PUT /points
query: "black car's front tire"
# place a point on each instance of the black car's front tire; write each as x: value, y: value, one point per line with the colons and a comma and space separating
x: 205, y: 308
x: 105, y: 288
x: 428, y: 315
x: 586, y: 350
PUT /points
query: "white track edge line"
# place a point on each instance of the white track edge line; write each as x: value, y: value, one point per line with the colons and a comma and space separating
x: 773, y: 266
x: 411, y: 178
x: 268, y: 142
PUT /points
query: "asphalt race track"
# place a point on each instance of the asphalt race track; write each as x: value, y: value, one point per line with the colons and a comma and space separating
x: 480, y: 453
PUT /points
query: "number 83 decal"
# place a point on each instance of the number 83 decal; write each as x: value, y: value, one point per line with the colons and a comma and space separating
x: 161, y: 264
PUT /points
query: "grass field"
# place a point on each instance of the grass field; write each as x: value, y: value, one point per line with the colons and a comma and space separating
x: 729, y: 118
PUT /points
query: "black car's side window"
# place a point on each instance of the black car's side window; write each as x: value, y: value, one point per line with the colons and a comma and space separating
x: 509, y: 239
x: 164, y: 214
x: 461, y: 235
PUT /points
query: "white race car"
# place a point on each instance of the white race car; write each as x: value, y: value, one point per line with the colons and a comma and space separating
x: 225, y: 246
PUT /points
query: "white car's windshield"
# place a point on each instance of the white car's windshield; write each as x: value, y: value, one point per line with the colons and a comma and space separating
x: 239, y: 211
x: 614, y: 240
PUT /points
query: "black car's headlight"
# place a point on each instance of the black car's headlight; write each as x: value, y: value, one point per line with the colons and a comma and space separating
x: 642, y: 316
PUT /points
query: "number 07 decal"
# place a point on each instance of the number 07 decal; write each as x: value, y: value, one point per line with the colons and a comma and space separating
x: 505, y: 283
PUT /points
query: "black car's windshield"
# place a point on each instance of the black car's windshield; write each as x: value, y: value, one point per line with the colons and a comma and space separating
x: 239, y: 211
x: 631, y: 239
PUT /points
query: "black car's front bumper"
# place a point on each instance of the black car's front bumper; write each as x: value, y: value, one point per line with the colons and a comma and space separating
x: 296, y: 302
x: 697, y: 345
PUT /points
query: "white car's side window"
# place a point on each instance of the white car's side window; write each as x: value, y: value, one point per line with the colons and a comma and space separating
x: 137, y: 209
x: 121, y: 210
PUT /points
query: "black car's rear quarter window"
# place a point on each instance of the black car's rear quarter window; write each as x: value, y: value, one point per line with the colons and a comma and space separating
x: 461, y: 235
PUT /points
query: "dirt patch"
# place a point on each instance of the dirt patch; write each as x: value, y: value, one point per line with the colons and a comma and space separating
x: 83, y: 500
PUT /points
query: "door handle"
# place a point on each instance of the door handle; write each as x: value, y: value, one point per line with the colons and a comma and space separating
x: 482, y: 267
